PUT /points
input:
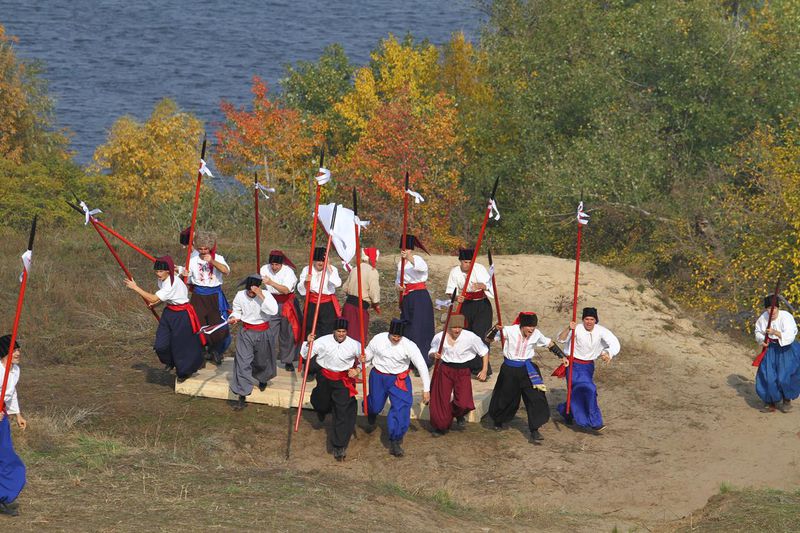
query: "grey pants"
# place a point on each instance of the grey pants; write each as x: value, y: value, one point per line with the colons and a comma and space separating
x: 255, y: 359
x: 287, y: 348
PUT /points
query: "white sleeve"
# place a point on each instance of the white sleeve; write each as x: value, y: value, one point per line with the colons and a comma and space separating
x: 11, y: 401
x: 304, y: 349
x: 760, y: 329
x: 291, y: 279
x: 221, y: 259
x: 611, y: 342
x: 479, y: 346
x: 788, y: 329
x: 236, y: 307
x: 370, y: 352
x: 269, y: 306
x: 451, y: 282
x: 419, y: 264
x: 301, y: 282
x: 419, y: 363
x: 435, y: 343
x: 334, y: 278
x: 541, y: 341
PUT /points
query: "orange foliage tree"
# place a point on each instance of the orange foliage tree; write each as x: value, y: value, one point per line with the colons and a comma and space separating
x: 279, y: 138
x: 397, y: 139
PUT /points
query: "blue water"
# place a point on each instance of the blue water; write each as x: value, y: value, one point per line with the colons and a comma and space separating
x: 108, y: 58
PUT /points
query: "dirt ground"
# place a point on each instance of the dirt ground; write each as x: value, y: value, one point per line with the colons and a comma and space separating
x: 679, y: 402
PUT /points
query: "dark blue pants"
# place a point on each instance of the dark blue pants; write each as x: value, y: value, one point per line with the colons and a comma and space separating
x: 381, y: 388
x: 12, y: 469
x: 176, y: 345
x: 583, y: 406
x: 417, y: 313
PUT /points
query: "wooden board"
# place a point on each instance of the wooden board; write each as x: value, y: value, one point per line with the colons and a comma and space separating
x: 284, y: 390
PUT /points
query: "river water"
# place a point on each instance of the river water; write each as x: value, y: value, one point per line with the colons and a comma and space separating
x: 108, y: 58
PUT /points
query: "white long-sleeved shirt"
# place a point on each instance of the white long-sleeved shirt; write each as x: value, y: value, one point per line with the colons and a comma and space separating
x: 285, y: 276
x: 589, y: 344
x: 394, y: 358
x: 253, y: 310
x: 332, y: 280
x: 784, y: 323
x: 519, y: 348
x: 465, y: 348
x: 203, y: 273
x: 336, y: 356
x: 173, y: 293
x: 416, y: 273
x: 11, y: 401
x: 479, y: 274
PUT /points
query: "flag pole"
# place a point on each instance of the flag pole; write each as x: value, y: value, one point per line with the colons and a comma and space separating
x: 486, y: 215
x: 124, y: 240
x: 17, y: 314
x: 574, y: 306
x: 361, y: 331
x: 760, y: 357
x: 444, y: 333
x: 194, y: 208
x: 496, y: 299
x: 316, y: 317
x: 403, y: 244
x: 257, y: 222
x: 311, y: 254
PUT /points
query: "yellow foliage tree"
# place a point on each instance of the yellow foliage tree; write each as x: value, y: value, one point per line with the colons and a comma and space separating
x: 155, y: 161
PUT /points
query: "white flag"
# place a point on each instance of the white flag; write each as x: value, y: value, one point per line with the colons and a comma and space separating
x: 583, y: 218
x: 323, y: 176
x: 344, y: 231
x: 27, y: 257
x: 204, y: 169
x: 418, y: 199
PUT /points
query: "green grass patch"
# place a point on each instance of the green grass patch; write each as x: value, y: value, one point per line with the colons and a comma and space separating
x: 735, y: 510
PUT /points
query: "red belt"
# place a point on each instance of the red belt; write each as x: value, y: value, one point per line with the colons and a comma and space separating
x: 477, y: 295
x: 400, y: 382
x: 325, y: 298
x: 342, y: 376
x: 193, y: 319
x: 561, y: 370
x: 290, y: 313
x: 256, y: 327
x: 414, y: 287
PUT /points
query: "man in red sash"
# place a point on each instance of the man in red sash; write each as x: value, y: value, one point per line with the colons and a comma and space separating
x: 308, y: 286
x: 370, y: 293
x: 178, y: 344
x: 256, y: 345
x: 475, y: 304
x: 336, y: 359
x: 280, y: 279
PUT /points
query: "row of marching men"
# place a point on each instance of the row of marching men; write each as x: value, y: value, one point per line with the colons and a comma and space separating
x: 271, y: 321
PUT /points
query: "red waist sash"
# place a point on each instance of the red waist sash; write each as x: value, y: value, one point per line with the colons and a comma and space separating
x: 193, y: 319
x: 283, y: 298
x: 477, y: 295
x: 256, y: 327
x: 400, y: 382
x: 414, y: 287
x: 290, y: 313
x: 561, y: 370
x: 342, y: 376
x: 326, y: 298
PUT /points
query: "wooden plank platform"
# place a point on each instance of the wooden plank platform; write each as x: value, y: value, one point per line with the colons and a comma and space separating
x: 284, y: 390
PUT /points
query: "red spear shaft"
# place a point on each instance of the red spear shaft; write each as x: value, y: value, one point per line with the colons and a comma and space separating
x: 363, y: 333
x: 574, y: 316
x: 17, y: 314
x: 444, y: 334
x: 126, y: 241
x: 403, y: 244
x: 478, y: 244
x: 316, y: 316
x: 760, y: 357
x: 496, y: 301
x: 194, y: 208
x: 258, y: 224
x: 311, y: 255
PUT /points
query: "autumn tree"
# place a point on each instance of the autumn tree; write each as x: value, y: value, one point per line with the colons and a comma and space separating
x: 271, y: 135
x: 153, y: 161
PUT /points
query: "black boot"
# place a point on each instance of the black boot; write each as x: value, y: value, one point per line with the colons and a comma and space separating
x: 240, y: 404
x: 461, y: 422
x: 9, y: 509
x: 536, y: 437
x: 339, y: 453
x: 395, y: 449
x: 262, y: 386
x: 289, y: 367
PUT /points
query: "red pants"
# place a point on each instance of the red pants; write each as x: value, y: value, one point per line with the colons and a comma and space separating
x: 455, y: 383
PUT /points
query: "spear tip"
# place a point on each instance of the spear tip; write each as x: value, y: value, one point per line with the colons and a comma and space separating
x: 490, y: 257
x: 355, y: 201
x: 33, y: 232
x: 322, y: 157
x: 203, y: 150
x: 494, y: 188
x: 407, y: 186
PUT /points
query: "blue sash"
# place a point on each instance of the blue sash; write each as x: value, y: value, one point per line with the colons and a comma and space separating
x: 222, y: 302
x: 533, y: 374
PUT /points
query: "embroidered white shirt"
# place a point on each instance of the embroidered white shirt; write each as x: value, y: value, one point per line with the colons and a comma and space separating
x: 519, y: 348
x: 201, y: 272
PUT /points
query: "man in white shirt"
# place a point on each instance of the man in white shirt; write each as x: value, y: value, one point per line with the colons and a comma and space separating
x: 12, y: 469
x: 778, y: 376
x: 336, y: 356
x: 416, y: 308
x: 474, y: 304
x: 206, y: 271
x: 452, y: 379
x: 280, y: 279
x: 307, y: 286
x: 390, y: 354
x: 520, y: 378
x: 178, y: 342
x: 592, y: 341
x: 256, y: 344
